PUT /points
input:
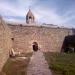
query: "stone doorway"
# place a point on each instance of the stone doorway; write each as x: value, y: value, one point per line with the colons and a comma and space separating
x: 35, y: 46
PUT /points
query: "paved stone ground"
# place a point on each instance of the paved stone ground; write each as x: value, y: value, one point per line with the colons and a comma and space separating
x: 38, y: 65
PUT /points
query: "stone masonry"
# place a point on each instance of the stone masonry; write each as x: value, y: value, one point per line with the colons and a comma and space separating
x: 5, y: 42
x: 48, y: 39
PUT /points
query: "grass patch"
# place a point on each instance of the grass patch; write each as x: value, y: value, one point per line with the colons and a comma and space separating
x: 17, y: 67
x: 61, y: 63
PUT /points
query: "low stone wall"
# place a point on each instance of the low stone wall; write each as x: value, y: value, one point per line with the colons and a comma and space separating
x: 5, y: 42
x: 48, y: 39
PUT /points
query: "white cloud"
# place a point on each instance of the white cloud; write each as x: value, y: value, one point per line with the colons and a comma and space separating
x: 47, y: 15
x: 18, y: 9
x: 42, y: 14
x: 8, y: 10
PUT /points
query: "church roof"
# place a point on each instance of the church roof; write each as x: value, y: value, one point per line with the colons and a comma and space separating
x: 30, y: 13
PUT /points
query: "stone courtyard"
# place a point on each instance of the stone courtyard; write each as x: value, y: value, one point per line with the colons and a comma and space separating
x: 20, y: 38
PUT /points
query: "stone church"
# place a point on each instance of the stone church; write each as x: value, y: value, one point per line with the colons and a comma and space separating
x: 30, y: 37
x: 47, y: 38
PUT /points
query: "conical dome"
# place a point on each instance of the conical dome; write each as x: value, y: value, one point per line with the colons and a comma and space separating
x: 29, y: 17
x: 30, y: 13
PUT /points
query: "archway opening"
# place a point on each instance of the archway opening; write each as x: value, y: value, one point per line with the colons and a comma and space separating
x: 35, y: 46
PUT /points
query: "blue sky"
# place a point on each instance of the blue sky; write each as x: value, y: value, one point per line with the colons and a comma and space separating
x: 58, y: 12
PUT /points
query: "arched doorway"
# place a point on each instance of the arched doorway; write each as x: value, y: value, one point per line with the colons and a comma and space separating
x: 35, y: 46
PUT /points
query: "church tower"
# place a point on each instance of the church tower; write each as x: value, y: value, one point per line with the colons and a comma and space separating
x: 30, y: 17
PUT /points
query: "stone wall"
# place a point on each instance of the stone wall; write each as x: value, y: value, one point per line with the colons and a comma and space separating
x: 48, y: 39
x: 5, y: 42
